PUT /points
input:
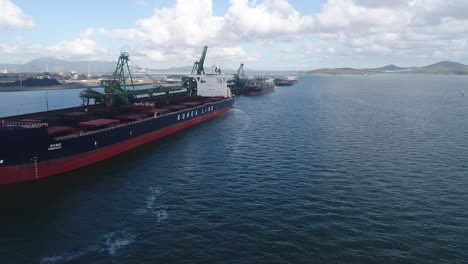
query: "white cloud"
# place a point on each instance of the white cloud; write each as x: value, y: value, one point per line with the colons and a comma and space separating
x: 178, y: 33
x: 188, y: 24
x: 250, y: 30
x: 269, y: 19
x: 84, y: 47
x: 402, y: 29
x: 11, y: 16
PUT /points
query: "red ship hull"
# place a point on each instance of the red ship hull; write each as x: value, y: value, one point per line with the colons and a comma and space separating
x: 42, y: 169
x: 261, y: 91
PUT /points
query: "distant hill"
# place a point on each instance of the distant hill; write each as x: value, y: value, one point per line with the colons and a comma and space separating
x: 443, y: 67
x: 339, y: 71
x: 55, y: 65
x: 58, y: 65
x: 390, y: 67
x: 180, y: 69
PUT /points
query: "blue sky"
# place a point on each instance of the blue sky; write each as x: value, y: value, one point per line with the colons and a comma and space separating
x: 264, y: 34
x: 58, y: 20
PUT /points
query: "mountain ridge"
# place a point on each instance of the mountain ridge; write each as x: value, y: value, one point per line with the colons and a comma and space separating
x: 442, y: 67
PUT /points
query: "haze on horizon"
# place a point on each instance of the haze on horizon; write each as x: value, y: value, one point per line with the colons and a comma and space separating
x: 264, y: 34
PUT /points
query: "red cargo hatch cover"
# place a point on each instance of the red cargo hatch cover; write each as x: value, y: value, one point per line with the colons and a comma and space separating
x: 175, y: 107
x: 130, y: 117
x: 100, y: 123
x: 59, y: 130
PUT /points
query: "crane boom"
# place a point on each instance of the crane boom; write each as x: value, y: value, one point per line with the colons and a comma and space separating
x: 198, y: 65
x: 116, y: 89
x: 240, y: 72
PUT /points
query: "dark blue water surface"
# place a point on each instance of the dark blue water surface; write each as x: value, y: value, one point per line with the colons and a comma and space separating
x: 365, y: 169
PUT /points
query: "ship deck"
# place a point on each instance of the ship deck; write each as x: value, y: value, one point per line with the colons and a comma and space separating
x: 76, y: 121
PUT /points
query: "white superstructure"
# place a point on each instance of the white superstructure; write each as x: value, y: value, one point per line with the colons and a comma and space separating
x: 212, y: 85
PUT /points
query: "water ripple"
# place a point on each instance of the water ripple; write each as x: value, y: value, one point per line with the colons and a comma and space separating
x: 336, y: 169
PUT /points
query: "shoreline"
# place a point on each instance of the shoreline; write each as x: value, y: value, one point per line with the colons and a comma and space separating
x: 45, y: 88
x: 66, y: 86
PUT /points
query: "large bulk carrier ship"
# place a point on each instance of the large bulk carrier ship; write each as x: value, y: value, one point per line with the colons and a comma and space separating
x: 39, y: 145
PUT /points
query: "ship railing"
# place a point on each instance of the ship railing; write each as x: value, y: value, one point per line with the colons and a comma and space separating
x: 23, y: 124
x: 112, y: 127
x: 103, y: 129
x: 145, y: 104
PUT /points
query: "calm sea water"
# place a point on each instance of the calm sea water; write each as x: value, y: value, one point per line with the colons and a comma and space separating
x: 365, y: 169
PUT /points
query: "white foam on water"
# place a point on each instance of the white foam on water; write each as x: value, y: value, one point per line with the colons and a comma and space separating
x: 151, y: 200
x: 140, y: 211
x: 161, y: 215
x: 54, y: 259
x: 68, y: 256
x: 115, y: 241
x: 112, y: 243
x: 154, y: 192
x: 243, y: 120
x: 152, y: 207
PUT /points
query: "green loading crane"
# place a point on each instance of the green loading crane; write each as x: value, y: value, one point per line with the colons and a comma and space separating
x: 116, y: 89
x: 116, y: 92
x: 198, y: 65
x: 189, y: 82
x: 240, y: 72
x: 237, y: 84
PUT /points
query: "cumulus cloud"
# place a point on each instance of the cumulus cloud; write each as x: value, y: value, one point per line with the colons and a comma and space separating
x: 84, y: 47
x: 341, y: 28
x: 269, y: 19
x: 188, y: 24
x: 178, y: 33
x: 11, y: 16
x: 341, y: 14
x: 405, y: 28
x: 367, y: 29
